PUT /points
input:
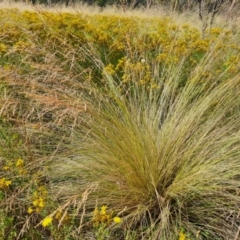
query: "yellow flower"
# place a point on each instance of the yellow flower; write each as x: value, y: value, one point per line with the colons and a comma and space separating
x: 41, y: 202
x: 43, y: 191
x: 8, y: 183
x: 19, y: 162
x: 6, y: 168
x: 103, y: 210
x: 35, y: 202
x: 110, y: 69
x: 5, y: 183
x: 117, y: 220
x: 46, y: 221
x: 2, y: 181
x: 182, y: 236
x: 30, y: 210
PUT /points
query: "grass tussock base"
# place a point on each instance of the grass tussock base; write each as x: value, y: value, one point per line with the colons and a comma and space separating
x: 164, y: 158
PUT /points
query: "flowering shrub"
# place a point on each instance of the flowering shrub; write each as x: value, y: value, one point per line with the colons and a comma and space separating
x: 160, y: 41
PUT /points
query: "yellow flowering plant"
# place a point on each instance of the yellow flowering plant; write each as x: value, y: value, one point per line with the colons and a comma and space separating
x: 183, y: 236
x: 46, y: 221
x: 104, y: 217
x: 4, y: 183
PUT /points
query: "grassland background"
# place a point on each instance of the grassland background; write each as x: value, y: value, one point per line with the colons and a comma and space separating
x: 82, y: 89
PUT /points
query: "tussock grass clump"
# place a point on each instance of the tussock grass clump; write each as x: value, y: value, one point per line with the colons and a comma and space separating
x: 165, y: 158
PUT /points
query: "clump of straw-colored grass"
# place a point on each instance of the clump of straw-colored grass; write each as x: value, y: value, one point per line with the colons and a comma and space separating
x: 166, y: 158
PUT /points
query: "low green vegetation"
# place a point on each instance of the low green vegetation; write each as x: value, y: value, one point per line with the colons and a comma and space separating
x: 116, y: 127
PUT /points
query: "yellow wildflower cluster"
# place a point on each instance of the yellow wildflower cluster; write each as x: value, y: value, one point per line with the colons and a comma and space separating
x: 10, y: 168
x: 117, y: 219
x: 19, y: 163
x: 183, y: 236
x: 121, y: 42
x: 4, y: 183
x: 15, y: 166
x: 103, y: 217
x: 109, y: 69
x: 39, y: 199
x: 47, y: 221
